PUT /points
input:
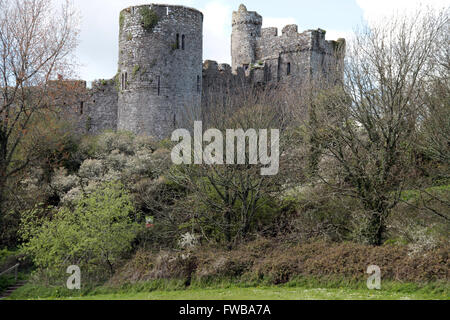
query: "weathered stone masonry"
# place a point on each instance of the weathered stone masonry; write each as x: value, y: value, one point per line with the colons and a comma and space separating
x: 162, y: 84
x: 160, y: 69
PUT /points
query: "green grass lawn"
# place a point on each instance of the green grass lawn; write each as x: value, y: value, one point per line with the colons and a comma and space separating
x: 260, y: 293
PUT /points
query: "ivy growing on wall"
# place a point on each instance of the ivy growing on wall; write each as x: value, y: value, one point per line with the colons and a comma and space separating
x: 136, y: 70
x: 149, y: 18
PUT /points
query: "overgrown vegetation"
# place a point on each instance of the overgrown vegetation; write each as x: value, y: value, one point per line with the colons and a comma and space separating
x: 94, y: 234
x: 136, y: 69
x: 149, y: 19
x: 263, y: 261
x: 363, y: 179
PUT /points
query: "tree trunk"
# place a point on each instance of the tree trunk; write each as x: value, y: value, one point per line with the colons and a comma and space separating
x: 2, y: 205
x: 375, y: 228
x: 228, y: 229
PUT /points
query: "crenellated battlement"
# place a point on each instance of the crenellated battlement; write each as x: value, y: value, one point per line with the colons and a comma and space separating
x: 242, y: 16
x: 289, y: 57
x: 161, y: 71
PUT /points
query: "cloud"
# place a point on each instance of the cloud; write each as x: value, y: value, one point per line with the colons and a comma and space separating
x: 375, y: 11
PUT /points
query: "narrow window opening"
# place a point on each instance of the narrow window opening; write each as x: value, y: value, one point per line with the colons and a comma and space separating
x: 126, y: 81
x: 198, y: 84
x: 246, y: 67
x: 123, y: 81
x: 288, y: 68
x: 159, y: 85
x: 183, y: 40
x: 81, y: 107
x: 178, y: 41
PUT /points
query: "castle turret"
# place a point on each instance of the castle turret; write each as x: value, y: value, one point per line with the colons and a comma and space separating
x: 160, y: 68
x: 246, y: 28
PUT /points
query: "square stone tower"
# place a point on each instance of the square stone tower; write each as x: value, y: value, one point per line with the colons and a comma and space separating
x: 288, y: 58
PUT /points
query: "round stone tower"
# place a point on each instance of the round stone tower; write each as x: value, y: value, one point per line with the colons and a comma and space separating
x: 246, y: 28
x: 160, y: 68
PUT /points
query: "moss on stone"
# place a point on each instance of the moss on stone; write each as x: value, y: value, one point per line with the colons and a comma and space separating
x: 149, y: 19
x: 121, y: 20
x: 117, y: 81
x: 136, y: 70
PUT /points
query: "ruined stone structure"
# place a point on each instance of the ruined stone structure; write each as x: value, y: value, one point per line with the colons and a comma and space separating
x: 290, y: 57
x: 162, y: 84
x: 160, y: 68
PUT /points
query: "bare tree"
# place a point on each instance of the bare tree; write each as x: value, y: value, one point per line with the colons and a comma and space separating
x: 367, y: 127
x: 435, y: 114
x: 228, y: 197
x: 36, y: 43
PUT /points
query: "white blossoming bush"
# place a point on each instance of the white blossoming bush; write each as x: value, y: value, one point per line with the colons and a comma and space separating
x: 139, y: 164
x: 34, y: 185
x: 116, y: 160
x: 63, y: 183
x: 91, y: 169
x: 423, y: 240
x: 71, y: 196
x: 109, y: 141
x: 145, y: 143
x: 188, y: 241
x: 111, y: 157
x: 112, y: 175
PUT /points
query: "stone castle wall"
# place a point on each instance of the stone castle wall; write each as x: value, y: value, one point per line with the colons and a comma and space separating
x: 290, y: 57
x: 246, y: 29
x: 163, y: 85
x: 160, y: 69
x: 101, y: 107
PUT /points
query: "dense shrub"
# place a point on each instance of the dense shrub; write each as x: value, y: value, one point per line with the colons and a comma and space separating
x: 94, y: 235
x: 276, y: 263
x: 316, y: 213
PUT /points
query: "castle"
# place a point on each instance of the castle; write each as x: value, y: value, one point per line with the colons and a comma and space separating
x: 161, y: 72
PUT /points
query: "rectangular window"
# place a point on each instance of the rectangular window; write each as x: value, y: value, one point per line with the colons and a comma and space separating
x: 183, y: 37
x: 159, y: 85
x: 81, y: 107
x: 288, y: 68
x: 198, y: 84
x: 178, y: 41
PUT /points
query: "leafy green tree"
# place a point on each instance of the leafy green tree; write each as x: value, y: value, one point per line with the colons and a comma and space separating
x: 93, y: 235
